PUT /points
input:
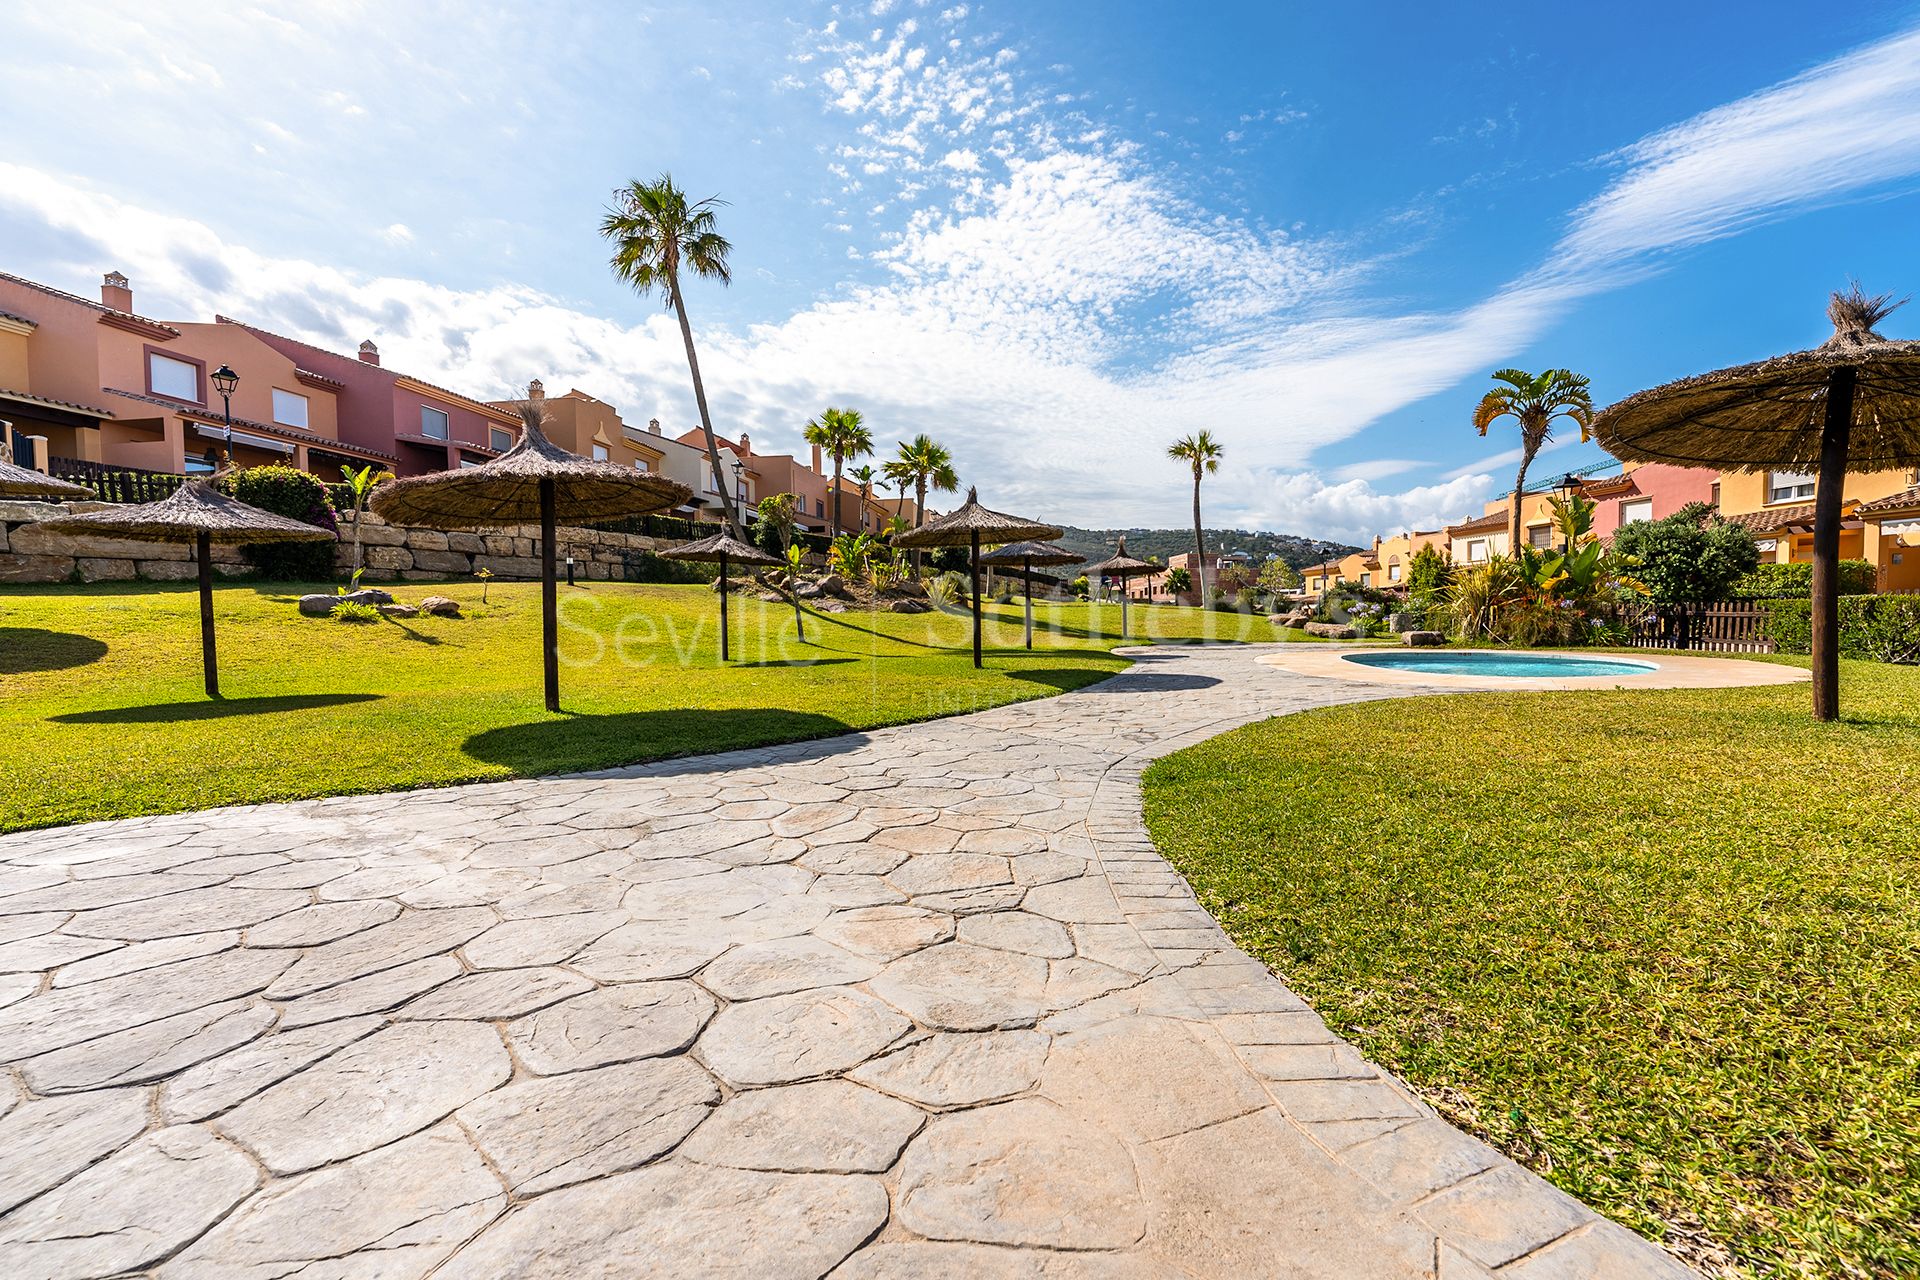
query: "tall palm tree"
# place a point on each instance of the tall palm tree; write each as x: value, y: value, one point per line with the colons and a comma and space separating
x: 656, y: 233
x: 863, y: 476
x: 1533, y: 400
x: 1204, y: 453
x: 926, y: 462
x: 838, y: 432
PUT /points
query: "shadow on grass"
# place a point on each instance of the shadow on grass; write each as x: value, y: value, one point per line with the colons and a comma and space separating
x: 24, y: 649
x: 212, y: 709
x: 794, y: 662
x: 631, y: 737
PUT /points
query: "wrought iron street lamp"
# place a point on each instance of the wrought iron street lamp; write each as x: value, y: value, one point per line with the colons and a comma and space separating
x: 224, y: 381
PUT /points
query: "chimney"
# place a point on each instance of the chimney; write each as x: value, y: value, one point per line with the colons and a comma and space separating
x: 369, y: 353
x: 816, y: 461
x: 536, y: 390
x: 116, y: 292
x: 653, y: 426
x: 746, y: 445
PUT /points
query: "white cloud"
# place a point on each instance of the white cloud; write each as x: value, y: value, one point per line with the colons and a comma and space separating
x: 399, y: 234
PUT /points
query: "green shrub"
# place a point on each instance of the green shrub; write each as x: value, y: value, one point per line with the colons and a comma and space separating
x: 1690, y: 556
x: 1783, y: 581
x: 1876, y: 628
x: 644, y: 566
x: 353, y: 611
x: 298, y: 496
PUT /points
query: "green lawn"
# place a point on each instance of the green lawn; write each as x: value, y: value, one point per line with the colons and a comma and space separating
x: 102, y: 713
x: 1663, y: 947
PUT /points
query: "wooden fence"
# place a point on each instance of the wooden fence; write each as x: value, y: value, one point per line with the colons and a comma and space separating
x: 1731, y: 626
x: 115, y: 484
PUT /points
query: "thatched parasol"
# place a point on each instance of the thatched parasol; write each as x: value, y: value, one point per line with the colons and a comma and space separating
x: 1027, y: 555
x: 721, y: 548
x: 196, y: 512
x: 1122, y: 566
x: 969, y: 526
x: 24, y: 482
x: 534, y: 480
x: 1850, y: 404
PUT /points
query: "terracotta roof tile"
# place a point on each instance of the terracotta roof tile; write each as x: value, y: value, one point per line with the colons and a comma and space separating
x: 89, y: 303
x: 1480, y: 524
x: 25, y: 398
x: 1907, y: 499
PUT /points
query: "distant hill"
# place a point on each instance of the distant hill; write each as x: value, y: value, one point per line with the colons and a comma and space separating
x: 1097, y: 544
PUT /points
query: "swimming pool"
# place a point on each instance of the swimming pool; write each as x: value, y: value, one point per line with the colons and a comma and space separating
x: 1496, y: 662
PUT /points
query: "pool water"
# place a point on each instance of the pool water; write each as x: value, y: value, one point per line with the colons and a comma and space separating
x: 1492, y: 662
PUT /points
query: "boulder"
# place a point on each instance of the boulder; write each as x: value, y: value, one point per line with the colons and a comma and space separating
x: 1423, y: 639
x: 440, y: 607
x: 1402, y: 621
x: 910, y: 606
x: 834, y: 585
x: 399, y: 611
x: 103, y: 570
x: 1332, y: 631
x: 318, y: 605
x: 773, y: 597
x: 448, y: 562
x: 808, y: 591
x: 25, y: 568
x: 830, y: 606
x: 368, y: 595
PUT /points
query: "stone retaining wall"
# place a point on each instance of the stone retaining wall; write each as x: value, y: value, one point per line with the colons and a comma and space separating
x: 391, y: 552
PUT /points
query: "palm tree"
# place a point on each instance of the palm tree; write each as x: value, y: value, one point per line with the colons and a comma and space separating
x: 1204, y: 452
x: 362, y: 483
x: 656, y: 232
x: 1533, y: 400
x: 863, y: 476
x: 839, y: 433
x: 925, y: 462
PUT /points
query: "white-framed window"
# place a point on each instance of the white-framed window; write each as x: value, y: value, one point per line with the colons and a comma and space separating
x: 641, y: 464
x: 434, y: 423
x: 174, y: 379
x: 1636, y: 511
x: 500, y: 438
x: 1476, y: 551
x: 1789, y: 486
x: 289, y: 408
x: 1540, y: 536
x: 1366, y: 579
x: 1393, y: 573
x: 600, y: 453
x: 1767, y: 544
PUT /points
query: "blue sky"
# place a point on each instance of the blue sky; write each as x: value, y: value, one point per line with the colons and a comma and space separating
x: 1055, y: 235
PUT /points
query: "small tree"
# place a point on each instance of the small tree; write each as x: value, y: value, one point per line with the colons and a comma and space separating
x: 773, y: 527
x: 1179, y: 580
x: 1276, y: 576
x: 362, y: 483
x: 1690, y: 557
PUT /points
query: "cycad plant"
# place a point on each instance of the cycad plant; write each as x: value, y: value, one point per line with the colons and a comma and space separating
x: 361, y: 484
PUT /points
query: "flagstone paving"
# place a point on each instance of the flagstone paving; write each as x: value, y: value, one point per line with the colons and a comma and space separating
x: 919, y: 1002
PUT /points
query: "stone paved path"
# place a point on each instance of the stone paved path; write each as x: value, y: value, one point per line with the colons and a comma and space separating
x: 921, y: 1002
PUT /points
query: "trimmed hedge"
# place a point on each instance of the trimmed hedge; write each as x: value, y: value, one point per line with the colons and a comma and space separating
x: 1874, y: 628
x: 299, y: 496
x: 1795, y: 581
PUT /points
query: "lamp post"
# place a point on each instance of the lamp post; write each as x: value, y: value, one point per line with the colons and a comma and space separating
x: 569, y: 570
x: 224, y: 381
x: 739, y: 494
x: 1567, y: 486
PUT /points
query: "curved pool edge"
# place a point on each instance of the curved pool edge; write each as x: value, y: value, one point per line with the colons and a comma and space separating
x: 1547, y: 664
x: 1674, y: 671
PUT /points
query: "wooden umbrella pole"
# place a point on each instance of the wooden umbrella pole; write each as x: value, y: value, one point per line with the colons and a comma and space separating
x: 549, y: 607
x: 203, y: 553
x: 1026, y: 567
x: 974, y: 566
x: 1826, y: 543
x: 723, y: 606
x: 1123, y: 606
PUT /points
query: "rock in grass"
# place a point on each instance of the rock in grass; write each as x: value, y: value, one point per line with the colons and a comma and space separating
x: 318, y: 606
x: 1424, y: 639
x: 1333, y: 631
x: 399, y: 611
x: 440, y: 607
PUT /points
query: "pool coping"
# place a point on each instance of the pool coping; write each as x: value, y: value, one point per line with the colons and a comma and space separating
x: 1672, y: 671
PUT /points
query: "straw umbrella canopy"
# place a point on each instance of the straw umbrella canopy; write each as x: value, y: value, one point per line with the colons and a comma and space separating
x: 536, y: 480
x: 1122, y: 566
x: 969, y: 526
x: 1850, y: 404
x: 198, y: 513
x: 24, y: 482
x: 722, y: 548
x: 1027, y: 555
